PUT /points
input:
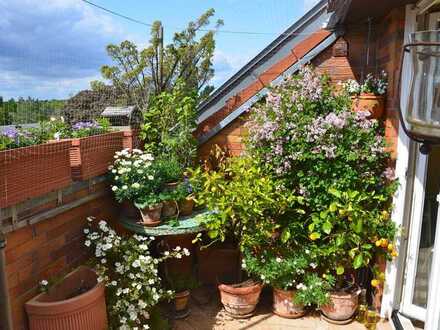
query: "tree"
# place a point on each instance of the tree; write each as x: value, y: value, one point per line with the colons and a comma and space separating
x: 157, y: 68
x: 89, y: 104
x: 7, y: 111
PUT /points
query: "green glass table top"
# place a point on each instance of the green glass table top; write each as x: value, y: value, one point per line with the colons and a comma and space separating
x: 186, y: 225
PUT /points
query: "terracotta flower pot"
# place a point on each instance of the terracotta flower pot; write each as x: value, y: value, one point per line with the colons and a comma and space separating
x: 91, y: 156
x: 129, y: 210
x: 284, y: 306
x: 169, y: 209
x: 151, y: 215
x: 186, y: 206
x: 181, y: 300
x: 33, y: 171
x: 67, y: 307
x: 342, y: 306
x: 374, y: 104
x: 171, y: 186
x: 240, y: 301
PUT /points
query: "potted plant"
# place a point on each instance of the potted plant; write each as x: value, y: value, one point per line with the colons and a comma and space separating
x: 182, y: 286
x: 77, y: 302
x: 130, y: 274
x: 283, y: 272
x: 336, y: 160
x: 240, y: 195
x: 349, y: 235
x: 130, y: 175
x: 171, y: 173
x: 369, y: 96
x: 30, y: 167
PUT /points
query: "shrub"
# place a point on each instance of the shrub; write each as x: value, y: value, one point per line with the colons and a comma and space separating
x: 307, y: 137
x: 130, y: 274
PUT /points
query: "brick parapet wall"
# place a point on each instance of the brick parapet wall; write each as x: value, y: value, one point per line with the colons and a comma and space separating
x: 45, y: 247
x: 46, y: 240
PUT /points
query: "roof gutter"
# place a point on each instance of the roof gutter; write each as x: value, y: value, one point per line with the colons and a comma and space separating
x: 5, y: 305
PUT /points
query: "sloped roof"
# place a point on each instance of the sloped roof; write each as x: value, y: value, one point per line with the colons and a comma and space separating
x: 118, y: 111
x: 297, y: 45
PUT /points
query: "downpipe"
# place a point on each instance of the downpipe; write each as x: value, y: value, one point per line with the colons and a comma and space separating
x: 5, y: 306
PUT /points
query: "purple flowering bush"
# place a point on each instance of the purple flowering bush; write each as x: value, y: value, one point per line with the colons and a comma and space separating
x: 12, y: 137
x: 306, y: 135
x: 89, y: 128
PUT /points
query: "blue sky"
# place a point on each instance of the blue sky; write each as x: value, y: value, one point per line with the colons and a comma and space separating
x: 54, y: 48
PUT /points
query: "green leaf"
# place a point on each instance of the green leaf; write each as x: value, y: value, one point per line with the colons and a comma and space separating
x: 358, y: 261
x: 340, y: 240
x: 314, y: 236
x: 285, y: 236
x: 358, y: 226
x: 340, y: 270
x: 333, y: 207
x: 213, y: 234
x: 327, y: 227
x: 311, y: 227
x: 323, y: 214
x: 335, y: 192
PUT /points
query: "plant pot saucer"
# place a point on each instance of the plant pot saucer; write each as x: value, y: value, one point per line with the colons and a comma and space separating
x: 337, y: 322
x: 150, y: 224
x: 182, y: 314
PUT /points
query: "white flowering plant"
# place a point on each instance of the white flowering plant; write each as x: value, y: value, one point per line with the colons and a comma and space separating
x: 373, y: 84
x: 134, y: 175
x: 130, y: 274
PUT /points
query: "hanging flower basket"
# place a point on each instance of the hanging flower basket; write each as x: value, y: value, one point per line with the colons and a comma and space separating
x: 374, y: 104
x: 91, y: 156
x: 33, y: 171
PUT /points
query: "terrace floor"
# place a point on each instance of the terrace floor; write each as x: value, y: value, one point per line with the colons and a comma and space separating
x: 207, y: 314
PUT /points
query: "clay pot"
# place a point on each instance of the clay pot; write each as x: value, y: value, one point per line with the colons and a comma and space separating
x: 186, y: 206
x: 67, y: 307
x: 171, y: 186
x: 181, y: 300
x: 283, y: 304
x: 240, y: 301
x: 151, y: 215
x: 374, y: 104
x: 129, y: 210
x: 342, y: 306
x: 169, y: 209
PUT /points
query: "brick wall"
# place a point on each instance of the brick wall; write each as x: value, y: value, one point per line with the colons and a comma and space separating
x: 51, y: 242
x: 345, y: 59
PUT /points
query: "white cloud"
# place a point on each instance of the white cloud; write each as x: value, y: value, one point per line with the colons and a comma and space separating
x: 52, y: 48
x: 226, y: 65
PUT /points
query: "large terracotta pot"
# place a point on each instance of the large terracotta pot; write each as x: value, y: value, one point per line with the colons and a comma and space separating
x: 181, y: 300
x: 66, y: 307
x: 240, y: 301
x: 186, y: 206
x: 91, y: 156
x: 284, y: 306
x: 342, y: 306
x: 151, y: 215
x: 33, y: 171
x: 169, y: 209
x: 374, y: 104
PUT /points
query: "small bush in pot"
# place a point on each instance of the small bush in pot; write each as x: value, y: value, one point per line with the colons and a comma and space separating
x: 240, y: 195
x: 130, y: 274
x: 182, y: 286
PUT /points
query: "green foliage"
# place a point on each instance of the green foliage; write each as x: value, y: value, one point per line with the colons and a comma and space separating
x: 170, y: 169
x: 349, y: 228
x: 314, y: 290
x: 182, y: 282
x: 156, y: 68
x: 169, y: 124
x: 30, y: 110
x: 242, y: 199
